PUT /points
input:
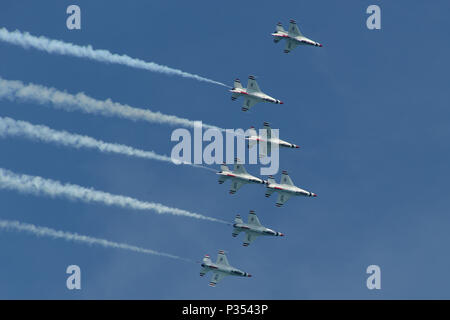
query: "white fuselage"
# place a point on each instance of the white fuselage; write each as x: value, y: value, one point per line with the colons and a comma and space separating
x: 259, y: 230
x: 225, y: 269
x: 259, y: 96
x: 244, y: 177
x: 289, y: 189
x: 275, y: 141
x: 300, y: 40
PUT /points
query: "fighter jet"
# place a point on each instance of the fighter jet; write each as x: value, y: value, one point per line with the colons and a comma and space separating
x: 252, y: 229
x: 252, y: 93
x: 266, y: 142
x: 220, y: 269
x: 293, y: 37
x: 239, y: 176
x: 285, y: 189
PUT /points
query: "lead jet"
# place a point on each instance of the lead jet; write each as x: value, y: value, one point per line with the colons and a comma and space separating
x: 252, y: 94
x: 220, y: 269
x: 252, y: 229
x: 239, y: 176
x: 285, y: 189
x: 265, y: 141
x: 293, y: 37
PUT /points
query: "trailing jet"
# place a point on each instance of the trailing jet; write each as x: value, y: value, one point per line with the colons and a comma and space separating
x: 220, y: 269
x: 285, y: 189
x: 293, y: 37
x: 266, y: 142
x: 252, y: 229
x: 239, y: 176
x: 252, y: 93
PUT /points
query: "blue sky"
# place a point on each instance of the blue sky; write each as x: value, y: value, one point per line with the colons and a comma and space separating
x: 369, y: 110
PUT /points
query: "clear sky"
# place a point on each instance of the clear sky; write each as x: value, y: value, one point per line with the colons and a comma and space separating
x: 370, y: 111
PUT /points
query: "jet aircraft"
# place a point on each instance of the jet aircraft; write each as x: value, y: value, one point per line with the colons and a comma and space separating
x: 253, y: 228
x: 220, y: 269
x: 293, y: 37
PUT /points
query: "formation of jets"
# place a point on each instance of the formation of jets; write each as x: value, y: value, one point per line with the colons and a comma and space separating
x: 239, y: 176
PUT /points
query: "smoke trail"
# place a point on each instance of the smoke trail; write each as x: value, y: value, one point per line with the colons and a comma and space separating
x: 40, y: 186
x: 11, y: 127
x: 26, y: 40
x: 17, y: 90
x: 74, y: 237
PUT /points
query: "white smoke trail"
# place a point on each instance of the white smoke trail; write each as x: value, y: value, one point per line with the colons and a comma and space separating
x: 11, y: 127
x: 40, y: 186
x: 26, y: 40
x: 74, y: 237
x: 17, y: 90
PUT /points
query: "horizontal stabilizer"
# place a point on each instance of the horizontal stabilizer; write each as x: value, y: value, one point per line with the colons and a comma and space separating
x: 279, y: 27
x: 237, y: 84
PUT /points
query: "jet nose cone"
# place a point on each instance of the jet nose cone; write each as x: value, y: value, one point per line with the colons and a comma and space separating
x: 281, y: 102
x: 296, y: 147
x: 314, y: 195
x: 281, y: 234
x: 320, y: 45
x: 249, y: 275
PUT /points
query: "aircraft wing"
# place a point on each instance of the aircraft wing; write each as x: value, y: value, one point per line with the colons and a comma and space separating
x: 239, y: 168
x: 248, y: 103
x: 282, y: 198
x: 216, y: 277
x: 293, y: 29
x: 252, y: 85
x: 285, y: 179
x: 290, y: 45
x: 222, y: 258
x: 253, y: 219
x: 249, y: 237
x: 235, y: 186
